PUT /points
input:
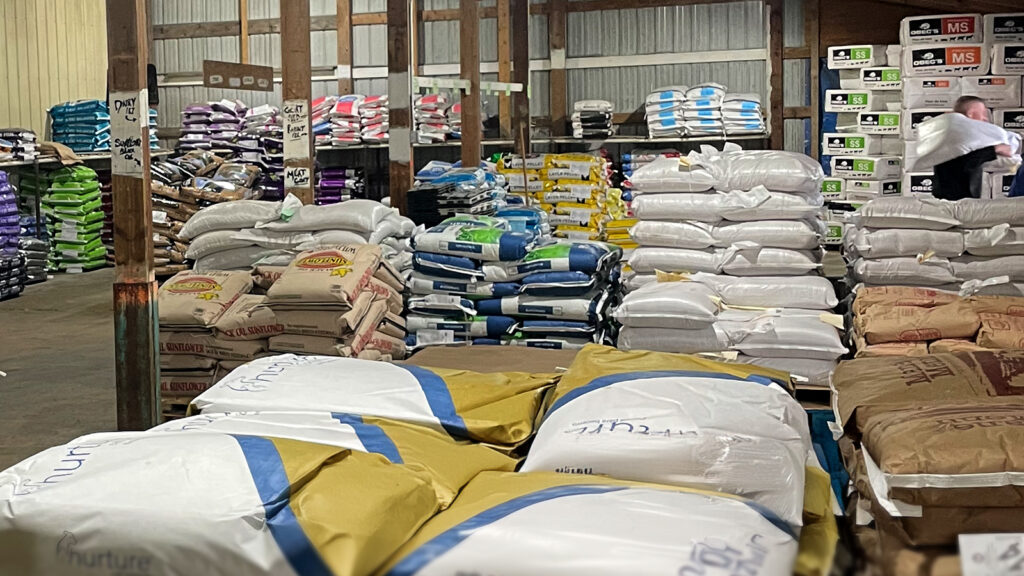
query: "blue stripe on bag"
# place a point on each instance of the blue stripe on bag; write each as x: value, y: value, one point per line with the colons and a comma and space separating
x: 268, y: 473
x: 604, y: 381
x: 440, y: 400
x: 373, y: 437
x: 448, y: 539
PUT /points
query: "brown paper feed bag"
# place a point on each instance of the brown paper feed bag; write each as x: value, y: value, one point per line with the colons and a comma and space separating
x: 198, y: 299
x: 1001, y: 331
x: 900, y: 296
x: 330, y: 275
x: 210, y: 346
x: 248, y: 318
x: 879, y: 325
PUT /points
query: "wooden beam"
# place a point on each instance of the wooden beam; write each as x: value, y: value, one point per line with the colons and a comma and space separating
x: 504, y: 66
x: 556, y: 84
x: 243, y: 31
x: 812, y: 32
x: 596, y: 5
x: 791, y: 112
x: 797, y: 53
x: 137, y: 360
x: 469, y: 64
x: 297, y: 87
x: 400, y: 152
x: 775, y: 42
x: 520, y: 15
x: 196, y: 30
x: 344, y: 17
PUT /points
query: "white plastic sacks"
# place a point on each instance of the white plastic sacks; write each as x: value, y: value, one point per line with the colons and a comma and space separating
x: 703, y: 430
x: 952, y: 135
x: 736, y: 206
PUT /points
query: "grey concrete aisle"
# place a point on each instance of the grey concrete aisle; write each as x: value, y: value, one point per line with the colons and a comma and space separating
x: 57, y: 348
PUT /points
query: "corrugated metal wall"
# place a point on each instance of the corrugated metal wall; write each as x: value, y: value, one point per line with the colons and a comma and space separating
x: 53, y: 51
x: 710, y: 27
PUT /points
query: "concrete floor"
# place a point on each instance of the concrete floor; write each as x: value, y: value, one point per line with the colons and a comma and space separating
x: 57, y: 348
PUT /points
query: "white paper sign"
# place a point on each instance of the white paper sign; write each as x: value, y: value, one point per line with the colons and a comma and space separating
x: 296, y: 129
x: 296, y: 177
x: 992, y: 554
x: 129, y: 115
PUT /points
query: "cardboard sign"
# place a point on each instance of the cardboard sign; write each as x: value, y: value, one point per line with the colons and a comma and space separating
x: 129, y: 118
x: 236, y: 76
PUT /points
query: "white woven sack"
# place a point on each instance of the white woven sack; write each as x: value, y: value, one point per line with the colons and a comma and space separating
x: 691, y: 235
x: 895, y: 242
x: 680, y: 305
x: 355, y: 215
x: 805, y: 292
x: 651, y: 259
x: 231, y: 216
x: 904, y: 272
x: 793, y: 234
x: 1001, y: 240
x: 983, y: 268
x: 907, y: 212
x: 214, y: 241
x: 988, y: 212
x: 669, y: 175
x: 770, y: 262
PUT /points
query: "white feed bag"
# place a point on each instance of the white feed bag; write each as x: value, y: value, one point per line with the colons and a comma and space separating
x: 214, y: 241
x: 332, y: 238
x: 242, y: 258
x: 770, y: 262
x: 736, y: 206
x: 806, y: 292
x: 743, y: 437
x: 895, y: 242
x: 669, y: 175
x: 709, y: 339
x: 953, y: 135
x: 691, y: 235
x: 231, y: 216
x: 776, y: 170
x: 813, y: 372
x: 787, y: 336
x: 904, y: 272
x: 682, y: 305
x: 989, y: 212
x: 907, y: 212
x: 652, y: 259
x: 792, y: 234
x: 983, y: 268
x: 1001, y: 240
x: 355, y: 215
x: 273, y: 240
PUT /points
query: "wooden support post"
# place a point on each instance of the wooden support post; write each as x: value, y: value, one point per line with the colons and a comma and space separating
x: 400, y: 152
x: 775, y: 48
x: 297, y: 87
x: 812, y: 32
x: 557, y: 84
x: 521, y: 74
x: 344, y: 46
x: 137, y: 359
x: 243, y: 31
x: 504, y: 66
x: 469, y: 64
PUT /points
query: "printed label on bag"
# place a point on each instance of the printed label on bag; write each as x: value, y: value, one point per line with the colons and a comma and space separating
x: 1013, y: 120
x: 956, y: 27
x: 956, y: 56
x: 880, y: 120
x: 851, y: 54
x: 922, y: 183
x: 1008, y: 25
x: 992, y: 81
x: 1013, y: 55
x: 916, y: 118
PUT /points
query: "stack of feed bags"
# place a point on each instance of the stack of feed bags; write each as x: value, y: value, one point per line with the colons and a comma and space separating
x: 209, y: 325
x: 735, y: 212
x: 211, y: 125
x: 932, y: 444
x: 588, y: 479
x: 23, y: 143
x: 338, y: 184
x: 261, y: 142
x: 173, y: 206
x: 742, y: 114
x: 34, y: 252
x: 908, y: 321
x: 82, y: 125
x: 154, y: 142
x: 75, y: 213
x: 592, y: 119
x: 702, y: 110
x: 342, y: 300
x: 454, y: 115
x: 431, y: 122
x: 346, y: 121
x: 13, y: 273
x: 444, y: 190
x: 664, y: 112
x: 974, y: 245
x: 320, y: 119
x: 373, y: 115
x: 777, y: 322
x: 107, y: 197
x: 573, y: 188
x: 224, y: 237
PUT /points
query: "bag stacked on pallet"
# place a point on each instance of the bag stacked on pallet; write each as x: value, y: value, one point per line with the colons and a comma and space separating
x: 206, y: 319
x: 75, y: 214
x: 22, y: 144
x: 742, y: 114
x: 339, y: 301
x: 970, y: 244
x: 663, y: 109
x: 932, y: 445
x: 431, y: 122
x: 592, y: 119
x: 211, y: 125
x: 346, y: 121
x: 261, y: 143
x: 82, y: 125
x: 12, y: 264
x: 338, y: 184
x: 374, y: 119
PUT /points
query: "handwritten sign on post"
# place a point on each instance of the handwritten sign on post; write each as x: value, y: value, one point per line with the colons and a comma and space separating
x: 296, y: 177
x: 129, y: 121
x: 296, y: 129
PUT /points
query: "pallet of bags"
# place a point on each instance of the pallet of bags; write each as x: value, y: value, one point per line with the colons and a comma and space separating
x: 431, y: 122
x: 374, y: 119
x: 82, y: 125
x: 340, y: 300
x: 592, y: 119
x: 778, y: 322
x: 931, y: 444
x: 346, y: 120
x: 663, y: 109
x: 74, y: 209
x: 974, y: 245
x: 702, y: 110
x: 223, y: 469
x: 207, y: 319
x: 742, y: 114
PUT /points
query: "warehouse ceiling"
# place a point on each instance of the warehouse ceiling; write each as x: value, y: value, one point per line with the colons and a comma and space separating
x: 954, y: 6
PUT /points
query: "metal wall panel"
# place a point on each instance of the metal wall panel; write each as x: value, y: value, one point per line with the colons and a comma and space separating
x: 53, y: 51
x: 187, y: 54
x: 259, y: 9
x: 727, y: 26
x: 188, y: 11
x: 627, y: 87
x: 795, y: 135
x: 796, y: 83
x: 793, y: 23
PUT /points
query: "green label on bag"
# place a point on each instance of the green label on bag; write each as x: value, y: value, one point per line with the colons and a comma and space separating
x: 854, y: 143
x: 891, y: 75
x: 864, y: 165
x: 863, y: 53
x: 834, y: 231
x: 858, y: 99
x: 833, y: 186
